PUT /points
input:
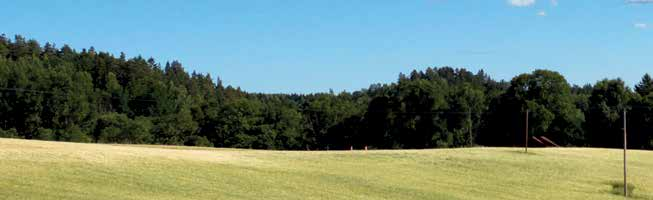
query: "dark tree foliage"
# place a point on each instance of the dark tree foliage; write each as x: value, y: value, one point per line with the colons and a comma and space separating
x: 645, y: 87
x: 547, y: 96
x: 53, y: 93
x: 608, y: 100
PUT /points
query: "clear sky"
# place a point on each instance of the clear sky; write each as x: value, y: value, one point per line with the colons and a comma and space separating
x: 315, y: 45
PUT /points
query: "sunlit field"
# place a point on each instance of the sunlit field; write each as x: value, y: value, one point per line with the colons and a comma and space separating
x: 54, y: 170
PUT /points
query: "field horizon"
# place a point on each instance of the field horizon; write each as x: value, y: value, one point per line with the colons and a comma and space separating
x: 31, y: 169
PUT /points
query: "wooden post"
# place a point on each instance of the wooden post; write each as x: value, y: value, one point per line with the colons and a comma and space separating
x: 625, y: 149
x: 526, y: 133
x: 471, y: 137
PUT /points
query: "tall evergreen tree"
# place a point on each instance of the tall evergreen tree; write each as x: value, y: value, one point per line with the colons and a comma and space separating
x: 645, y: 87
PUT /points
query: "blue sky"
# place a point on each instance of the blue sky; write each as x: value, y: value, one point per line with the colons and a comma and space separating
x: 300, y: 46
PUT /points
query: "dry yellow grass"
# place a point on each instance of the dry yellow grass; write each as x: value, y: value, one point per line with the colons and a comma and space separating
x: 53, y: 170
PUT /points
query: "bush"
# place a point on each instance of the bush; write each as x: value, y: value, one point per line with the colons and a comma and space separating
x: 11, y: 133
x: 44, y: 134
x: 138, y: 131
x: 110, y: 135
x: 118, y: 128
x: 199, y: 141
x: 73, y: 134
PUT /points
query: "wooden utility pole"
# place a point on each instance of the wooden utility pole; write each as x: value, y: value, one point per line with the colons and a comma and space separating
x: 625, y: 149
x: 471, y: 137
x: 526, y: 132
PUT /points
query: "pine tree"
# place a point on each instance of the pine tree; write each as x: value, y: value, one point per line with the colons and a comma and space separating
x: 645, y: 87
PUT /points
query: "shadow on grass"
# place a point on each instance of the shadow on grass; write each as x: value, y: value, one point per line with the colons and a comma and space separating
x: 522, y: 152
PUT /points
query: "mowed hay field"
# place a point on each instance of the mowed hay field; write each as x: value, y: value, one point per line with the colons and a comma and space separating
x: 54, y: 170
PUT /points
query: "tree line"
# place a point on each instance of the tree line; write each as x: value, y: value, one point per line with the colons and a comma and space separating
x: 61, y: 94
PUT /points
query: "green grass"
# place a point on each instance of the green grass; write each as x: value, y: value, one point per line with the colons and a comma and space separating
x: 52, y: 170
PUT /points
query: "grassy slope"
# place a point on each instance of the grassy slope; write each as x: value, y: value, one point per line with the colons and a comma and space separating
x: 50, y: 170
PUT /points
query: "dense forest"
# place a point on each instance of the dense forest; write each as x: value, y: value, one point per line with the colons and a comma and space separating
x: 62, y: 94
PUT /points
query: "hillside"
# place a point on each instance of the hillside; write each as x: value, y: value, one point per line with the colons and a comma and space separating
x: 58, y: 170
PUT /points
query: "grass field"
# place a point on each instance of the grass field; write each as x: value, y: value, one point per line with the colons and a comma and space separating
x: 52, y: 170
